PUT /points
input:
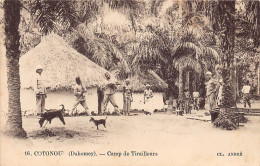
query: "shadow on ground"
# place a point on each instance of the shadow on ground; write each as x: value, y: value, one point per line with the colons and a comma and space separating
x: 61, y: 133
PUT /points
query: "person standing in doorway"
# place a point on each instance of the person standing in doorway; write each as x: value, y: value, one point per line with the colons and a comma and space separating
x: 109, y: 94
x: 40, y: 91
x: 127, y: 96
x: 79, y: 91
x: 246, y: 94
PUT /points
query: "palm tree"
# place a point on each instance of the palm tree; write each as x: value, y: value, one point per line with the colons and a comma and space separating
x: 222, y: 15
x: 197, y: 58
x: 49, y: 13
x: 12, y: 20
x: 252, y: 15
x: 177, y: 48
x: 224, y: 23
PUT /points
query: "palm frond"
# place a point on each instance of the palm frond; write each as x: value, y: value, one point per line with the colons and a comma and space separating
x: 208, y: 51
x: 123, y: 4
x: 189, y: 62
x: 155, y: 6
x: 189, y: 46
x: 50, y: 13
x: 104, y: 51
x: 88, y: 9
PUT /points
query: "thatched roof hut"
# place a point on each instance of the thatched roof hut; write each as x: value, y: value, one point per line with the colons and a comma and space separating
x: 139, y: 81
x: 61, y: 64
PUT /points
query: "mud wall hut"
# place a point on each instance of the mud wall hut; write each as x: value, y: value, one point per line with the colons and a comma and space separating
x: 138, y: 82
x: 61, y: 65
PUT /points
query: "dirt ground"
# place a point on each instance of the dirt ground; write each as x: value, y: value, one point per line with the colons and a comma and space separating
x: 175, y: 139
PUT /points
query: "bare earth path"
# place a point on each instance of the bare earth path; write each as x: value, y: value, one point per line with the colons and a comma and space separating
x: 175, y: 140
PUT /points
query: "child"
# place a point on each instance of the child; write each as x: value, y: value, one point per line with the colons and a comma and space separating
x: 148, y: 95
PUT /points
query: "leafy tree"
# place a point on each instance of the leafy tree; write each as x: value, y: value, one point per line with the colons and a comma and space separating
x: 176, y: 44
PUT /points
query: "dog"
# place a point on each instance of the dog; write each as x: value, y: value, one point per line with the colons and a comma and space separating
x: 93, y: 113
x: 50, y: 114
x: 147, y: 113
x: 98, y: 122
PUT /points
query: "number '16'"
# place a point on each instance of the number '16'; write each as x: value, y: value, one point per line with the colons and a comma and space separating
x: 27, y: 153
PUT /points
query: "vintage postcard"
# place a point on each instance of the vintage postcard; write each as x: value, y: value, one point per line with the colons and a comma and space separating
x: 129, y: 82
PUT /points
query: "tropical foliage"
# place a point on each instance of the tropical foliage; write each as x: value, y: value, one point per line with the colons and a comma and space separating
x: 171, y: 38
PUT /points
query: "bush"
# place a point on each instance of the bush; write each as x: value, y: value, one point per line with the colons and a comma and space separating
x: 224, y: 122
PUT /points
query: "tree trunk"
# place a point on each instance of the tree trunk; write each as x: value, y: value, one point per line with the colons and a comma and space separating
x: 100, y: 94
x: 202, y: 91
x: 181, y: 87
x: 170, y: 73
x: 12, y: 19
x: 171, y: 97
x: 227, y: 37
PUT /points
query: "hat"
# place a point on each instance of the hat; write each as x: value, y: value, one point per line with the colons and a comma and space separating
x: 107, y: 74
x: 208, y: 73
x: 39, y: 67
x: 148, y: 85
x: 127, y: 80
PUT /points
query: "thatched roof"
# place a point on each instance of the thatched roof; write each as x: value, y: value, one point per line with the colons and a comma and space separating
x: 139, y: 81
x: 61, y: 64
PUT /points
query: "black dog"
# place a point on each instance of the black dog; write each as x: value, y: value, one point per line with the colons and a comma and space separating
x: 98, y: 122
x: 147, y: 113
x: 50, y: 114
x: 93, y: 113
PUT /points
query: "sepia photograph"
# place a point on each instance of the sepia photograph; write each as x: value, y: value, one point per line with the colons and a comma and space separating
x: 130, y: 82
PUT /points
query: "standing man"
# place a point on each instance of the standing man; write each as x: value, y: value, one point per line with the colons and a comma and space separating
x: 246, y: 94
x: 219, y: 91
x: 79, y: 91
x: 109, y: 94
x: 40, y: 91
x: 196, y: 96
x: 211, y: 91
x: 127, y: 96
